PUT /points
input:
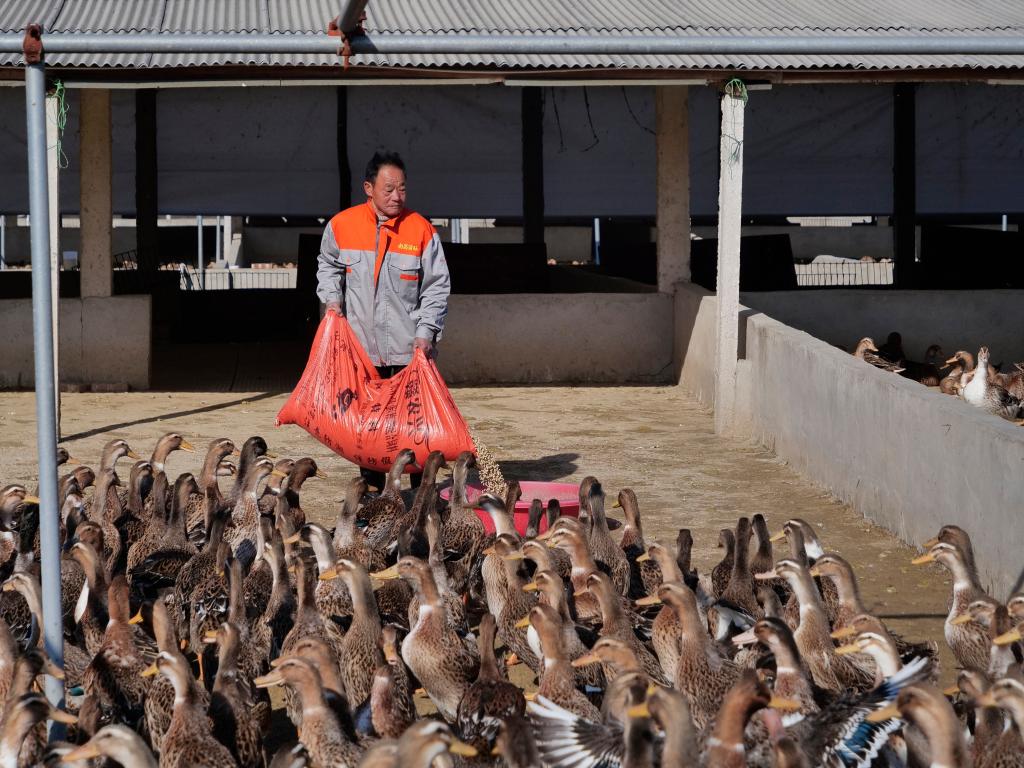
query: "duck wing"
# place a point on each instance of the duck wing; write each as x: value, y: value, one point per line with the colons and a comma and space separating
x: 564, y: 739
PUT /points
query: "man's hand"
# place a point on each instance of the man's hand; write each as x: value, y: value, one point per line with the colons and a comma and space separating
x: 425, y: 345
x: 334, y: 306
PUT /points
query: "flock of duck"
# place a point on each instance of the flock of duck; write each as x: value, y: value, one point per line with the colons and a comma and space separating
x: 983, y: 385
x: 184, y: 606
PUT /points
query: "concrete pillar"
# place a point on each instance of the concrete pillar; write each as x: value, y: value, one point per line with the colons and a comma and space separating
x: 673, y: 184
x: 730, y: 198
x: 96, y: 254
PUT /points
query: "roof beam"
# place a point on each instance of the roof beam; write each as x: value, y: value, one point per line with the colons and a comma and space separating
x: 568, y: 45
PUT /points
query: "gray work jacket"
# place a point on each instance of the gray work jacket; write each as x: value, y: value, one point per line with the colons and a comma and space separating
x: 390, y: 278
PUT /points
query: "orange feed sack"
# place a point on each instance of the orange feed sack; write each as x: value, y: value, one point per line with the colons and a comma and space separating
x: 342, y: 402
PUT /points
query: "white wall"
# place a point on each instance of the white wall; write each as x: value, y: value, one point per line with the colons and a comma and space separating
x: 908, y: 458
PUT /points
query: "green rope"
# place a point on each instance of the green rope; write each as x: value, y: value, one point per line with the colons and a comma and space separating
x: 60, y: 94
x: 736, y: 89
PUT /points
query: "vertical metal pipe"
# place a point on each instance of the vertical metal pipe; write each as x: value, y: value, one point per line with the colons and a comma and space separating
x: 200, y: 266
x: 219, y: 240
x: 3, y: 242
x: 46, y: 424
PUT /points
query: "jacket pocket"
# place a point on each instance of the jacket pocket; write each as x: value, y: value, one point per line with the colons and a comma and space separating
x: 405, y: 283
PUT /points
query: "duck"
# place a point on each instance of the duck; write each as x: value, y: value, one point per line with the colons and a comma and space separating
x: 830, y: 672
x: 515, y: 743
x: 291, y: 486
x: 960, y: 366
x: 454, y: 606
x: 320, y: 732
x: 576, y: 639
x: 158, y: 570
x: 721, y: 573
x: 792, y: 678
x: 603, y: 547
x: 463, y: 531
x: 320, y: 654
x: 869, y: 353
x: 331, y: 594
x: 348, y: 540
x: 246, y: 513
x: 209, y: 502
x: 239, y: 720
x: 764, y: 557
x: 309, y: 622
x: 568, y: 536
x: 982, y: 393
x: 702, y: 674
x: 740, y: 590
x: 506, y: 599
x: 392, y: 709
x: 137, y: 518
x: 1007, y: 694
x: 114, y: 686
x: 272, y: 626
x: 666, y: 629
x: 410, y: 529
x: 188, y: 740
x: 113, y: 742
x: 432, y: 651
x: 993, y: 616
x: 644, y: 576
x: 617, y: 625
x: 490, y: 698
x: 558, y: 680
x: 968, y: 640
x: 23, y: 716
x: 359, y: 651
x: 422, y: 743
x: 252, y: 450
x: 382, y: 512
x: 929, y: 711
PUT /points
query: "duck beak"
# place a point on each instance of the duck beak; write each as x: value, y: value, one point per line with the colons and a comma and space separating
x: 321, y: 474
x: 84, y: 752
x: 839, y: 634
x: 52, y: 669
x: 329, y: 574
x: 545, y: 536
x: 278, y: 473
x: 133, y: 455
x: 187, y: 446
x: 778, y: 537
x: 784, y: 705
x: 514, y: 556
x: 585, y: 660
x: 60, y: 716
x: 137, y: 618
x: 951, y: 361
x: 885, y: 713
x: 513, y: 660
x: 530, y: 587
x: 953, y: 690
x: 386, y: 574
x: 815, y: 571
x: 150, y: 671
x: 31, y: 500
x: 530, y: 696
x: 846, y: 650
x: 462, y: 748
x: 638, y: 710
x: 210, y: 637
x: 523, y: 623
x: 648, y: 600
x: 766, y: 576
x: 235, y: 452
x: 643, y: 558
x: 372, y: 489
x: 928, y: 557
x: 580, y: 593
x: 270, y: 455
x: 930, y: 543
x: 293, y: 539
x: 7, y: 586
x: 986, y: 700
x: 963, y: 618
x: 72, y: 461
x: 617, y: 505
x: 745, y: 638
x: 1006, y: 638
x: 268, y: 680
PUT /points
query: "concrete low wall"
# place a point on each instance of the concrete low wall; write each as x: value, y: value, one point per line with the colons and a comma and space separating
x: 908, y: 458
x: 953, y: 319
x: 559, y: 337
x: 102, y: 341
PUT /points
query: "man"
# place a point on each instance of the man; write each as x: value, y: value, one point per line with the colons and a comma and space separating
x: 382, y: 267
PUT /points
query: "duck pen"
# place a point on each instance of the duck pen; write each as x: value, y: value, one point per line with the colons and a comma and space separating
x: 726, y: 379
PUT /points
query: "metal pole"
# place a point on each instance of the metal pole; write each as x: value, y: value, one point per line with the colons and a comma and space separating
x: 53, y: 208
x: 3, y: 242
x: 218, y: 239
x: 201, y: 267
x: 569, y: 45
x: 46, y: 425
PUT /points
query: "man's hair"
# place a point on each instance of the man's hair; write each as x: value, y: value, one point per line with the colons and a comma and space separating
x: 382, y: 158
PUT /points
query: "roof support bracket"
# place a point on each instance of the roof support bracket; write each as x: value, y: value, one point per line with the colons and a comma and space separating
x: 32, y: 45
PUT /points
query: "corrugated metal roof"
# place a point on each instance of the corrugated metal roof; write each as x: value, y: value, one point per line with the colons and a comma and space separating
x: 575, y: 17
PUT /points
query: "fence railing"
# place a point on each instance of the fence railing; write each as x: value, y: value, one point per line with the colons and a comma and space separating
x: 824, y: 274
x: 191, y: 279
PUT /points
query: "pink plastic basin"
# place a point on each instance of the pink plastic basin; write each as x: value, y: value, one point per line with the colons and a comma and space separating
x: 568, y: 495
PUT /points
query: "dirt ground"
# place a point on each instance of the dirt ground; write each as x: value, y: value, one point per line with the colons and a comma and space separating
x: 653, y: 439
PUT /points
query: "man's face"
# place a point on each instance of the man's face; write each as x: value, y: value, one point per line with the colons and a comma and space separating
x: 388, y: 191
